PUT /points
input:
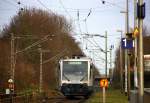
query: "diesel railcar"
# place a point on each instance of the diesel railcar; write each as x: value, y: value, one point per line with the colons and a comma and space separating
x: 76, y: 77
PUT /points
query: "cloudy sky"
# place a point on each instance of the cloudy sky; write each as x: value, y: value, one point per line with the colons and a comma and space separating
x: 87, y: 16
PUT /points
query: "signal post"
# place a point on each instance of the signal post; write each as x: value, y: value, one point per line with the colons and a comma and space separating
x: 104, y: 85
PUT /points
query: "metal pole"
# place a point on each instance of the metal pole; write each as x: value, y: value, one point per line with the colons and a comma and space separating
x: 140, y: 62
x: 121, y: 70
x: 121, y: 62
x: 110, y: 75
x: 110, y: 58
x: 135, y: 12
x: 12, y: 56
x: 135, y: 48
x: 41, y: 68
x: 106, y: 53
x: 127, y: 16
x: 129, y: 82
x: 41, y: 72
x: 104, y: 95
x: 135, y: 64
x: 126, y: 51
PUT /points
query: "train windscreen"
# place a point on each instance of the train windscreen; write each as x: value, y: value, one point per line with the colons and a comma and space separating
x: 75, y: 70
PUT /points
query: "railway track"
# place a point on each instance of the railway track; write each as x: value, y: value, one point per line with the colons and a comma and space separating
x: 65, y: 100
x: 30, y: 99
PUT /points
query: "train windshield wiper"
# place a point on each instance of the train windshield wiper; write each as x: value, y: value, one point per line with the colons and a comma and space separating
x: 83, y: 77
x: 66, y: 77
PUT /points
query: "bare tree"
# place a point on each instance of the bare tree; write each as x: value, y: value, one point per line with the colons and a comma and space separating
x: 37, y: 23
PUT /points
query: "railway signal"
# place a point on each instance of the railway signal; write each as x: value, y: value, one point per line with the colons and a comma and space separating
x: 135, y: 32
x: 11, y: 84
x: 11, y: 89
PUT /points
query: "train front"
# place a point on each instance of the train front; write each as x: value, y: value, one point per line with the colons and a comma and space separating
x: 76, y: 77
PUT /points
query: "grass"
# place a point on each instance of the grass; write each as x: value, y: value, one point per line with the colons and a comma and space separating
x: 112, y: 96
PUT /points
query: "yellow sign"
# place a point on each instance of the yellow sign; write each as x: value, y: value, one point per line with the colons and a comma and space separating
x: 104, y: 83
x: 136, y: 32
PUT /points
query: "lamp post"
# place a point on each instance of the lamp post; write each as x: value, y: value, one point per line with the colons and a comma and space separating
x: 127, y: 69
x: 126, y: 61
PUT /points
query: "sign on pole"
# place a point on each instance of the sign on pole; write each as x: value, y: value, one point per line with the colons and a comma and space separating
x: 11, y: 84
x: 135, y: 32
x: 104, y: 84
x: 7, y: 91
x: 127, y: 43
x: 10, y: 81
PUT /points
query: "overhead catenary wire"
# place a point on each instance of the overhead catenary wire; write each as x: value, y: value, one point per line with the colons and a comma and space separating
x: 78, y: 18
x: 93, y: 8
x: 86, y: 28
x: 56, y: 56
x: 7, y: 1
x: 65, y: 8
x: 89, y: 13
x: 81, y: 11
x: 84, y: 12
x: 79, y: 27
x: 110, y: 3
x: 115, y: 5
x: 18, y: 2
x: 68, y: 10
x: 78, y: 12
x: 14, y: 3
x: 95, y: 41
x: 45, y: 38
x: 96, y: 45
x: 99, y: 57
x: 43, y: 5
x: 85, y: 20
